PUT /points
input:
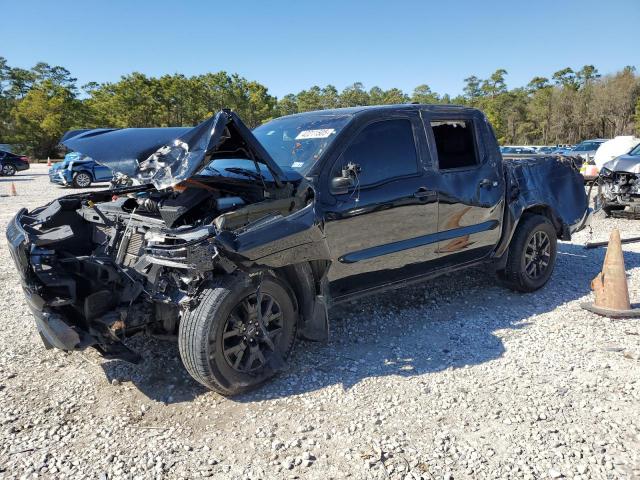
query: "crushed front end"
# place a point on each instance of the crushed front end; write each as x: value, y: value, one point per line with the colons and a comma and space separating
x: 98, y: 267
x: 618, y: 188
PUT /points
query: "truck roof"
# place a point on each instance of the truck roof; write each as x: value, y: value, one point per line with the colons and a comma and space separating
x: 436, y: 108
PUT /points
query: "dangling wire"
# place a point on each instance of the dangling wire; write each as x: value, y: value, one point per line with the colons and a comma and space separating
x: 356, y: 187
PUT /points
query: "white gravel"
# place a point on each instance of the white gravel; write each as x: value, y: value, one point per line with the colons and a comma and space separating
x: 456, y: 378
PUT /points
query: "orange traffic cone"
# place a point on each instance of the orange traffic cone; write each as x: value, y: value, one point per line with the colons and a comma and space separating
x: 12, y: 190
x: 48, y: 162
x: 610, y: 285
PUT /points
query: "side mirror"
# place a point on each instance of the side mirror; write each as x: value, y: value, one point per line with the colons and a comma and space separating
x: 341, y: 185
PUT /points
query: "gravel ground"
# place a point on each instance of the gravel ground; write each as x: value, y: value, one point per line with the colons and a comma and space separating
x: 456, y: 378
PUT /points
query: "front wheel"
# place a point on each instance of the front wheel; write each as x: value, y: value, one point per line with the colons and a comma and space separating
x: 8, y: 170
x: 230, y: 342
x: 81, y: 180
x: 532, y: 255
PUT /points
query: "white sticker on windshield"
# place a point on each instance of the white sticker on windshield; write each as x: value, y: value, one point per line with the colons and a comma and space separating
x: 297, y: 164
x: 318, y: 133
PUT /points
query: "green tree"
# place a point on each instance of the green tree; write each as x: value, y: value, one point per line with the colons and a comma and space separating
x: 287, y: 105
x: 472, y: 90
x: 566, y: 78
x: 354, y: 96
x: 311, y: 99
x: 423, y: 94
x: 45, y: 113
x: 330, y: 97
x: 495, y: 84
x: 395, y: 96
x: 586, y: 75
x: 537, y: 83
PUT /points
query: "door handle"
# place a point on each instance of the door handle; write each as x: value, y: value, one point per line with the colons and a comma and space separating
x: 486, y: 183
x: 423, y: 193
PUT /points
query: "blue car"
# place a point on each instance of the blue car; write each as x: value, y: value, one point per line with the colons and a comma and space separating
x: 78, y: 171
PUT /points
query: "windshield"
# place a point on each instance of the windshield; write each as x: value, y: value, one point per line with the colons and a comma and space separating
x: 635, y: 151
x: 297, y: 142
x: 586, y: 146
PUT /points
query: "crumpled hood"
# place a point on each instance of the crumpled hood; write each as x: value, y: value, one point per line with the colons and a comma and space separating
x: 167, y: 156
x: 624, y: 163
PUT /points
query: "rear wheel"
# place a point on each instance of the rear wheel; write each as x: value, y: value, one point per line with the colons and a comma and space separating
x: 8, y: 170
x: 230, y: 342
x: 81, y: 180
x: 532, y: 255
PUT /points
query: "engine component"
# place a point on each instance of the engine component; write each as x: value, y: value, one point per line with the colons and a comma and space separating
x: 227, y: 203
x: 173, y: 209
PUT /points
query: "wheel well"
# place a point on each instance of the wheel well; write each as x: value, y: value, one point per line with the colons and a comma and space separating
x: 76, y: 172
x: 545, y: 211
x: 306, y: 283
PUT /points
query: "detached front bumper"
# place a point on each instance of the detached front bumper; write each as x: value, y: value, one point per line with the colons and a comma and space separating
x: 54, y: 329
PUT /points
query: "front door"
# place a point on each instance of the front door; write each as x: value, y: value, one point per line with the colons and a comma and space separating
x: 388, y: 220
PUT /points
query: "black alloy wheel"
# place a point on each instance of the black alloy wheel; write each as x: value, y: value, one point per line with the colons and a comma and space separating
x: 252, y: 332
x: 537, y: 255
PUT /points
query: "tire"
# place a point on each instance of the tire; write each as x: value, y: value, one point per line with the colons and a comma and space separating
x: 208, y: 328
x: 82, y: 180
x: 522, y: 272
x: 8, y: 170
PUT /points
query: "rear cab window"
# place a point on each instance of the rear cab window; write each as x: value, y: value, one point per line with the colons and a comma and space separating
x: 383, y: 150
x: 455, y: 144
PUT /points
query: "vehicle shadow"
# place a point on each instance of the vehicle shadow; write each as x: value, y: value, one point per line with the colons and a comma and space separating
x: 448, y: 322
x: 15, y: 179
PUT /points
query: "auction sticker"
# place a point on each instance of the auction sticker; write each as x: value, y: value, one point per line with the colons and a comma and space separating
x: 318, y: 133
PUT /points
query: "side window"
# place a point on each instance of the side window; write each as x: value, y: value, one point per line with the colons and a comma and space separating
x: 455, y: 143
x: 384, y: 150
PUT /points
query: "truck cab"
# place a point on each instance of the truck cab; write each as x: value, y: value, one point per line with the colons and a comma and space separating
x: 427, y: 191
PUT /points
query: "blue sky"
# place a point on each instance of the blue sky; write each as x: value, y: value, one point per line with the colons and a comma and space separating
x: 289, y: 46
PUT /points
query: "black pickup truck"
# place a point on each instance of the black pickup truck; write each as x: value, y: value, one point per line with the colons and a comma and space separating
x: 237, y: 241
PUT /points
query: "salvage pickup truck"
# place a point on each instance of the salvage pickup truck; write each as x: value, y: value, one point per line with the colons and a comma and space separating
x: 237, y: 241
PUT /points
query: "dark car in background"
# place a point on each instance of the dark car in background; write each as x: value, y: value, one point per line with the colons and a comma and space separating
x: 79, y: 171
x: 10, y: 163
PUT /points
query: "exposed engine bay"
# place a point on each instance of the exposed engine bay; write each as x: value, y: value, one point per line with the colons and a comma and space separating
x: 118, y: 262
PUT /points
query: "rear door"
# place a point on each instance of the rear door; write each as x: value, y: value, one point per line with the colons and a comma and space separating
x: 388, y: 220
x: 470, y: 185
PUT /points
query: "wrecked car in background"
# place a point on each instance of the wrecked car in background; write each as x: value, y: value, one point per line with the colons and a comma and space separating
x: 618, y: 186
x: 237, y: 242
x: 78, y: 171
